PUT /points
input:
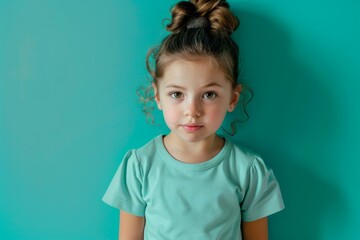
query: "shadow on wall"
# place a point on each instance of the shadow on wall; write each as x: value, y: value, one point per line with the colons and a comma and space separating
x: 293, y: 112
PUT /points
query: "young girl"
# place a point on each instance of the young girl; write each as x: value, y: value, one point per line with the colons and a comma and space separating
x: 192, y: 183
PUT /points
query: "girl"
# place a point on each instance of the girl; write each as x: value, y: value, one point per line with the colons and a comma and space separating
x: 192, y: 183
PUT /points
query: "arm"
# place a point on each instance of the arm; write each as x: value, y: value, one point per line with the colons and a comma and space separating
x: 256, y: 230
x: 131, y: 227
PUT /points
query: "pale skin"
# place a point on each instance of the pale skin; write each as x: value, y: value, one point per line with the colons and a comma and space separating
x: 194, y: 96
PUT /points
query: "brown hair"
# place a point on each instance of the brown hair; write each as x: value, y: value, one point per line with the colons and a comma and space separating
x: 199, y: 28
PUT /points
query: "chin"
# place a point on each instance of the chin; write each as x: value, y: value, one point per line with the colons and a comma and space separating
x: 194, y: 137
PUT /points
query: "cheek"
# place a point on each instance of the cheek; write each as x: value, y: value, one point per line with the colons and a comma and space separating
x: 217, y: 115
x: 171, y: 116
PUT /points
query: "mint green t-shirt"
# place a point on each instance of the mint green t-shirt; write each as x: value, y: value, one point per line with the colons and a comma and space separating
x: 186, y: 201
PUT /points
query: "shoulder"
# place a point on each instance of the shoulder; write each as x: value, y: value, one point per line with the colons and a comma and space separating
x: 243, y: 156
x: 146, y: 154
x: 148, y: 149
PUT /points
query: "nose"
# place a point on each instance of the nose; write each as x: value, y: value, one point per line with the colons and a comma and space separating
x: 193, y: 108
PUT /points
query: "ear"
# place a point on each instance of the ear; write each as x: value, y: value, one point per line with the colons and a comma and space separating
x: 235, y: 97
x: 156, y: 95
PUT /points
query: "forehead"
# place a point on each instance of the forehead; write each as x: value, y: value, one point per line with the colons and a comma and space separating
x: 196, y: 70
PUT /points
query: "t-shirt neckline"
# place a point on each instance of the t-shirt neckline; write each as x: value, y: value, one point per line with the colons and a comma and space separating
x: 192, y: 166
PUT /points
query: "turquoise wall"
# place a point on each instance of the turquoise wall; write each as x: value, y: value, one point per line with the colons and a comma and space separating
x: 68, y: 110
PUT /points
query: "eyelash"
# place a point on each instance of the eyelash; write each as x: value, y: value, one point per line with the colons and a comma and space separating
x: 178, y: 95
x: 172, y: 95
x: 214, y: 95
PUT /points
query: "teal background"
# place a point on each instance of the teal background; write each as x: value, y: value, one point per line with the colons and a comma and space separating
x: 69, y: 71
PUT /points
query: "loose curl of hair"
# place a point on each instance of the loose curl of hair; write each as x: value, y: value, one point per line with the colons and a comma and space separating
x: 212, y: 41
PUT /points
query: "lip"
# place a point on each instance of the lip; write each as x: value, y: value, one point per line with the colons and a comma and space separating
x: 192, y: 127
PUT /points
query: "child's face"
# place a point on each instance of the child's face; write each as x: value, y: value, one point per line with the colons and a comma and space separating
x: 195, y: 97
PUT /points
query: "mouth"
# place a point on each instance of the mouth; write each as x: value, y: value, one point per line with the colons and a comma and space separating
x: 192, y: 127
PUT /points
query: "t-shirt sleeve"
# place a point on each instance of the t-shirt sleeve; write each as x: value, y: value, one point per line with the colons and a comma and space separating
x: 263, y: 196
x: 125, y: 189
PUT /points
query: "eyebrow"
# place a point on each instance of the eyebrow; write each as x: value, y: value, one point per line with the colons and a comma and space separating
x: 174, y: 86
x: 212, y: 84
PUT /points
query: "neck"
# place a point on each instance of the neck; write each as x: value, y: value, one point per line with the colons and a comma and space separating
x: 193, y: 152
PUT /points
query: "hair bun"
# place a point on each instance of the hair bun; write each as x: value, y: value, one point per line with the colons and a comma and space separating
x: 203, y: 13
x: 199, y: 22
x: 181, y: 13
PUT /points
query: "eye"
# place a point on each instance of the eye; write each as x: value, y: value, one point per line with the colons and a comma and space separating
x: 209, y: 95
x: 176, y: 95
